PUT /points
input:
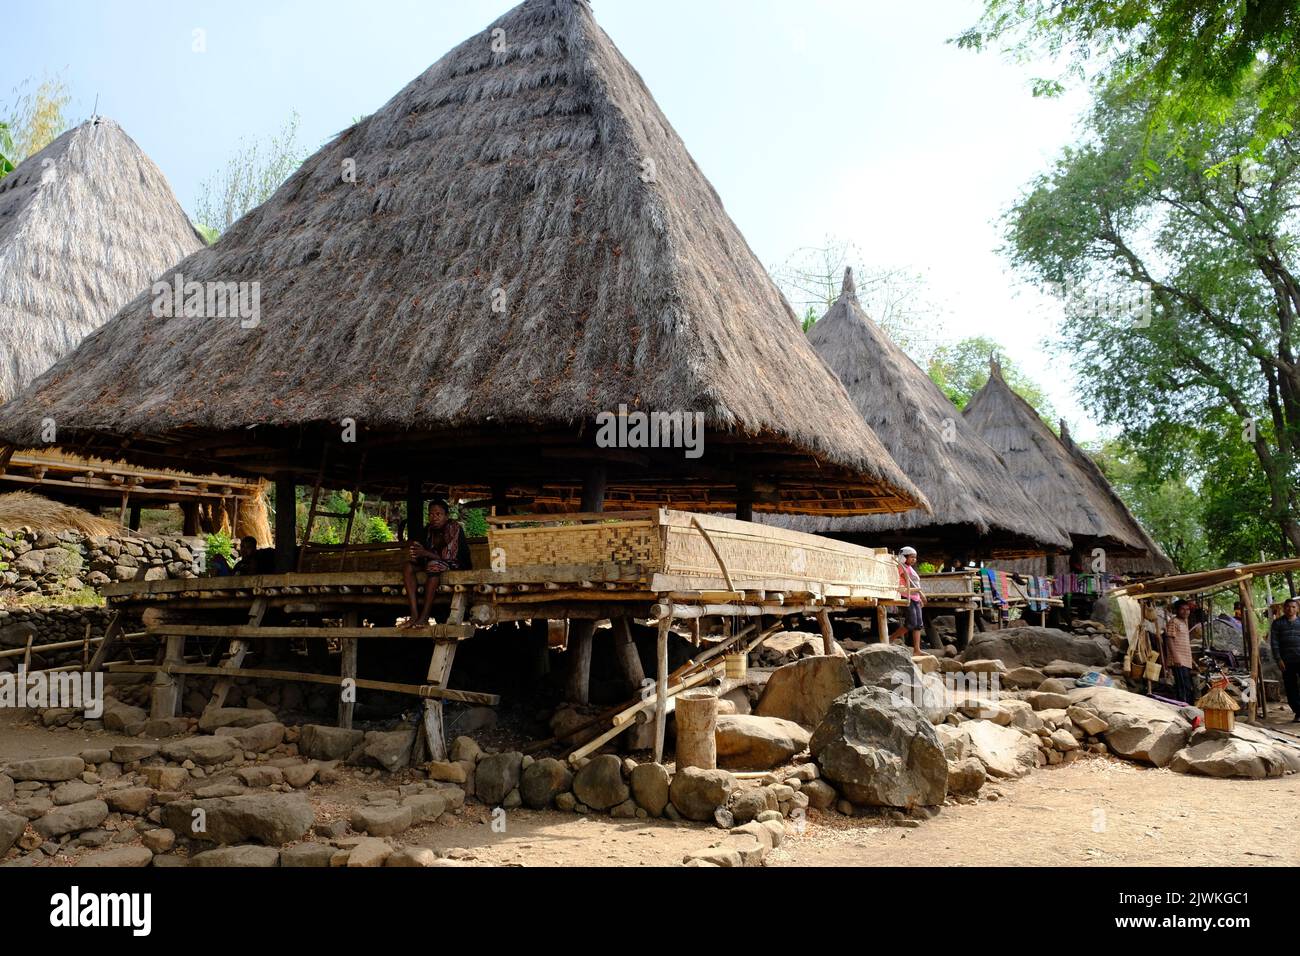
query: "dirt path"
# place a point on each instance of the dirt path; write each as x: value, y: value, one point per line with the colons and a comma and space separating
x: 1096, y: 812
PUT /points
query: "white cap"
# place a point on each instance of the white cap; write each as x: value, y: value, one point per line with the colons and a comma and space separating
x: 906, y: 551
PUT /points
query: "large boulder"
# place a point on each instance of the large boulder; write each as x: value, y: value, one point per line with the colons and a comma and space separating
x: 1246, y: 752
x: 803, y: 691
x: 788, y: 646
x: 1005, y: 752
x: 1137, y: 727
x: 496, y: 775
x: 73, y: 818
x: 697, y: 793
x: 204, y: 751
x: 542, y: 781
x: 321, y: 742
x: 966, y: 777
x: 46, y: 769
x: 215, y: 717
x: 747, y: 742
x: 650, y: 787
x: 890, y: 667
x: 272, y: 819
x: 1037, y: 647
x: 390, y: 749
x: 879, y: 749
x: 599, y: 784
x: 11, y: 828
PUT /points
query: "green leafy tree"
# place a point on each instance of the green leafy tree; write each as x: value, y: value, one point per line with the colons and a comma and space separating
x: 6, y: 151
x: 37, y: 117
x: 248, y: 179
x: 1182, y: 289
x: 1187, y: 61
x: 961, y: 368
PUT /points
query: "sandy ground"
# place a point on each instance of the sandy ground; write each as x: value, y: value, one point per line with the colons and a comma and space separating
x: 1097, y: 811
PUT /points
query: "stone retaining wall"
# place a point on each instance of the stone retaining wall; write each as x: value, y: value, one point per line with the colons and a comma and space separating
x: 43, y: 562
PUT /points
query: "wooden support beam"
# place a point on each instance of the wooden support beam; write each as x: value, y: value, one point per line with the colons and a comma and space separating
x: 286, y: 523
x: 581, y: 633
x: 415, y: 508
x: 348, y: 673
x: 882, y: 623
x: 444, y: 653
x: 828, y: 636
x: 167, y: 684
x: 437, y: 632
x: 626, y: 655
x: 238, y: 651
x: 661, y: 687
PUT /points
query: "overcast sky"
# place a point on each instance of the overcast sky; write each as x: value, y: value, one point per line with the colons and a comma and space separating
x: 845, y: 118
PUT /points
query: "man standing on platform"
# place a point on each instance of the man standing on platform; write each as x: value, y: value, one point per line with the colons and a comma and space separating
x: 1284, y: 639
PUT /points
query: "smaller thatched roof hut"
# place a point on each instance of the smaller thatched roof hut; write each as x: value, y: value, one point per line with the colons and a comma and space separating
x: 978, y: 510
x: 1060, y: 475
x: 85, y: 225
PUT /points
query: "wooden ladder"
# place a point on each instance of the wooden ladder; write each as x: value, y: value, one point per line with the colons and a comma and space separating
x: 314, y: 512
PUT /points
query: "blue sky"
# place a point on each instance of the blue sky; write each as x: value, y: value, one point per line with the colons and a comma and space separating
x: 844, y: 118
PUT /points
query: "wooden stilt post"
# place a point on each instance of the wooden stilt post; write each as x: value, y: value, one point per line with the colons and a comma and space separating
x: 882, y: 623
x: 238, y: 651
x: 828, y: 636
x: 348, y: 672
x: 432, y: 727
x: 745, y: 500
x: 190, y: 518
x: 286, y: 523
x: 1251, y: 634
x: 414, y: 508
x: 167, y: 686
x: 661, y: 686
x: 970, y: 629
x: 625, y: 652
x: 134, y: 518
x: 578, y: 685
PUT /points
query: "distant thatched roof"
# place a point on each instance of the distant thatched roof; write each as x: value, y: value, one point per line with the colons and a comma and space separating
x: 527, y: 244
x: 978, y: 510
x: 85, y: 224
x: 1058, y: 473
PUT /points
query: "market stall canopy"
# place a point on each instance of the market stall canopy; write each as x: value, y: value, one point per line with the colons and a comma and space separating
x: 1199, y: 582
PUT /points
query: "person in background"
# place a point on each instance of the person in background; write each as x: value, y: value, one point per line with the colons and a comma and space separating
x: 254, y: 560
x: 1178, y: 652
x: 909, y: 584
x: 1284, y: 639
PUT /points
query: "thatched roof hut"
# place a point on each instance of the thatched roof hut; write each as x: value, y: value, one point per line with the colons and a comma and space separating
x: 525, y: 245
x: 85, y: 224
x: 1061, y: 475
x: 978, y: 510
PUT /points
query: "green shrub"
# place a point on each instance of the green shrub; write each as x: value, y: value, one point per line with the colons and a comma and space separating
x: 221, y: 543
x: 473, y: 521
x: 377, y: 531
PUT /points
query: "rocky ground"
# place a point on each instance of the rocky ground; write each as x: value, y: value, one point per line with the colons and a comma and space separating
x: 1037, y: 755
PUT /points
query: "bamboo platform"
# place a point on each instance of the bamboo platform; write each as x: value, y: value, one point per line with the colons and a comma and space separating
x: 668, y: 569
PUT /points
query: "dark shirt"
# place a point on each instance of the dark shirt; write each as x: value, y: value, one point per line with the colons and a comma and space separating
x: 1284, y: 639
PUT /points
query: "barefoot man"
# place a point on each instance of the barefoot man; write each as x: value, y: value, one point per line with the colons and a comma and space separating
x: 441, y: 551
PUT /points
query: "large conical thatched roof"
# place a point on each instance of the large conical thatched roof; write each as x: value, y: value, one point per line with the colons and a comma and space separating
x: 1058, y: 473
x: 85, y: 224
x: 978, y: 510
x: 527, y: 244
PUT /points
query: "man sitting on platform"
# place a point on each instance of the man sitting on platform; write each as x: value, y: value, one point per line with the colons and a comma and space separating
x: 444, y: 549
x: 254, y: 560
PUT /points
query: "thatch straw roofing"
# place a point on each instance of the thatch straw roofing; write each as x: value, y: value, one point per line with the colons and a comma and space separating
x: 978, y: 510
x: 1058, y: 473
x: 85, y: 224
x: 521, y: 170
x: 21, y: 509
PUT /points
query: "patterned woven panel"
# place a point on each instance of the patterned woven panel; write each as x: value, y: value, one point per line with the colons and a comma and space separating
x: 615, y: 542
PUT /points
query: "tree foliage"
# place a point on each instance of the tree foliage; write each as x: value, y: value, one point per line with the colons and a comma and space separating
x: 961, y: 368
x: 1187, y: 61
x: 248, y: 179
x: 1210, y: 342
x: 36, y: 118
